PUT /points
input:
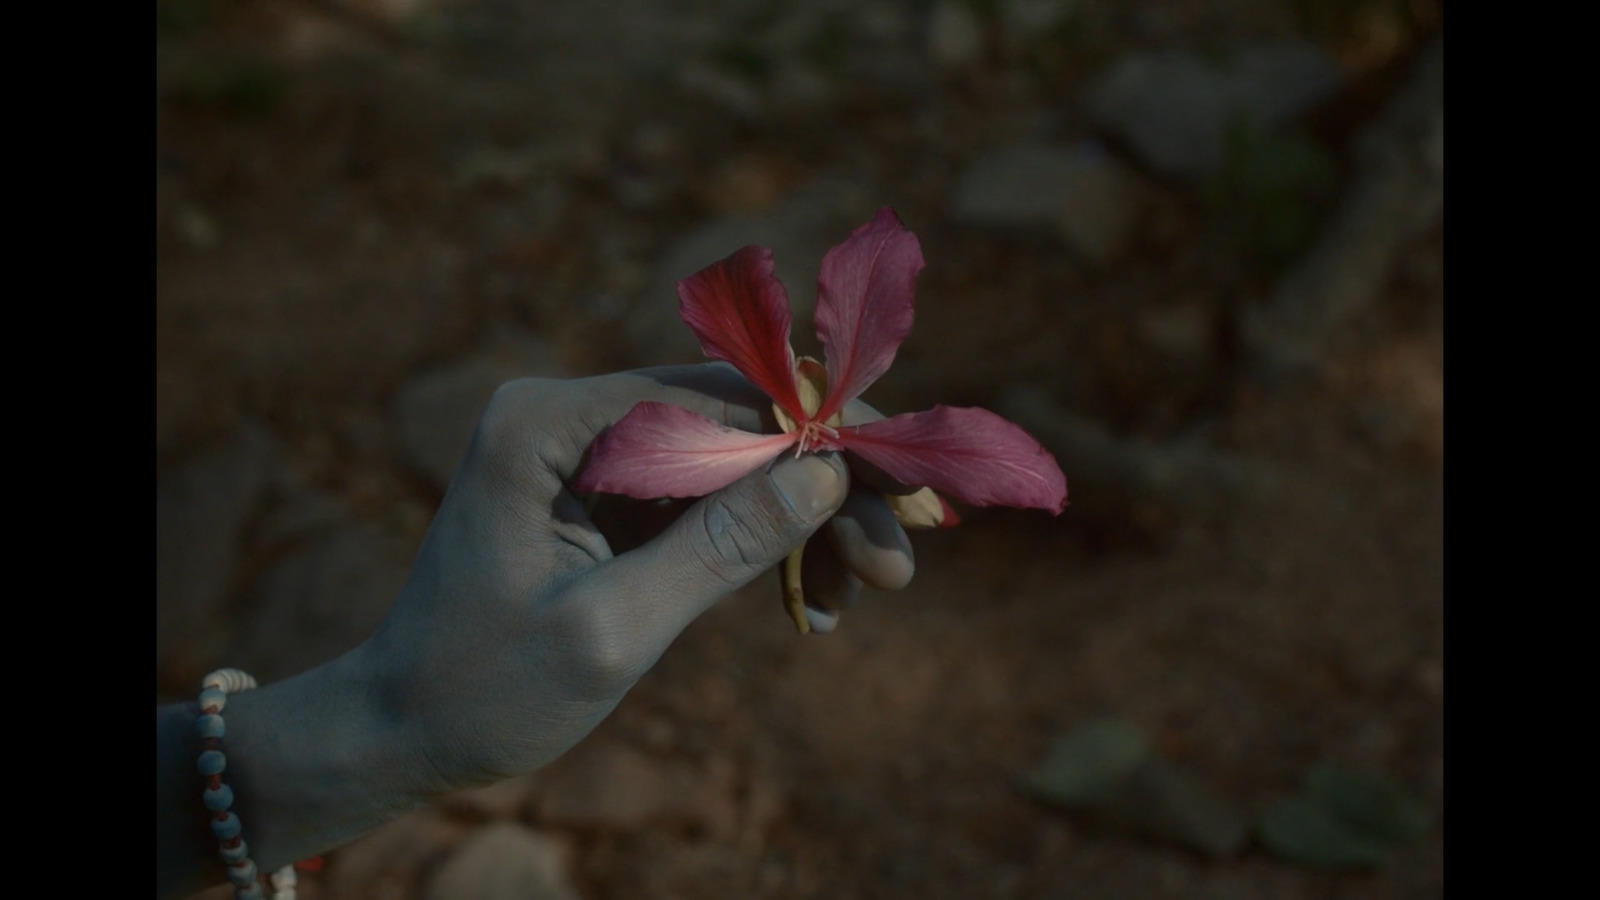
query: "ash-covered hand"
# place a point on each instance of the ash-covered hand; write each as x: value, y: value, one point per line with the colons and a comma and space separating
x: 525, y: 619
x: 530, y: 612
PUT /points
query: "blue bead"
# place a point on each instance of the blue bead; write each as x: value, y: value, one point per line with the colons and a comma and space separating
x: 209, y: 726
x: 226, y: 829
x: 242, y: 875
x: 213, y: 697
x: 232, y: 855
x: 253, y: 892
x: 219, y: 799
x: 212, y: 762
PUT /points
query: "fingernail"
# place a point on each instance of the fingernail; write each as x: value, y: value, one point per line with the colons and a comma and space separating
x: 811, y: 485
x: 821, y: 622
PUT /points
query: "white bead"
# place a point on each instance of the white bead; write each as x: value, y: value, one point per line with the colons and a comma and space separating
x: 243, y: 875
x: 219, y: 799
x: 234, y: 854
x: 226, y: 828
x: 284, y: 878
x: 213, y: 697
x: 212, y: 762
x: 231, y: 681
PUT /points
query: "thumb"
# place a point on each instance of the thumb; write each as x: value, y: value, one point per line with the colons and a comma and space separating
x: 722, y: 543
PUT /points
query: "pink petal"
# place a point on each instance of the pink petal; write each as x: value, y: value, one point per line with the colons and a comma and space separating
x: 971, y: 454
x: 660, y: 450
x: 740, y: 312
x: 864, y: 298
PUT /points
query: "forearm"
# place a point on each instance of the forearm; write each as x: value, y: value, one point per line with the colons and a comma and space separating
x: 314, y: 762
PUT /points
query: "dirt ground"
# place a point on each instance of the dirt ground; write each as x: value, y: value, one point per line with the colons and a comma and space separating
x: 370, y: 212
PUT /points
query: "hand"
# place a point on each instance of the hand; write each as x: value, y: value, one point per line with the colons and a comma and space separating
x: 522, y: 624
x: 524, y: 621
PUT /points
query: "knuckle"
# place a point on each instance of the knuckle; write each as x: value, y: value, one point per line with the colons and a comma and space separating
x: 505, y: 418
x: 732, y: 545
x: 514, y: 433
x: 602, y: 654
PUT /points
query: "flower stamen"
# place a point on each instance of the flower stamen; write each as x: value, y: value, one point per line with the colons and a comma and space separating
x: 812, y: 434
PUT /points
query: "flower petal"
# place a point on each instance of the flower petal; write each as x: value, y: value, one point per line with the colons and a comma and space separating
x: 864, y: 295
x: 971, y: 454
x: 740, y: 312
x: 660, y: 450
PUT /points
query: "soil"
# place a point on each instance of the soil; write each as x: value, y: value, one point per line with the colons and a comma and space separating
x: 351, y: 194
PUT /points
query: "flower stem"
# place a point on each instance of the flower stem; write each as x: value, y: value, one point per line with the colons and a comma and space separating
x: 794, y: 598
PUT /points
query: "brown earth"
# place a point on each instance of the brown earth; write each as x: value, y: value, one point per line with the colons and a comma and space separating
x: 353, y: 198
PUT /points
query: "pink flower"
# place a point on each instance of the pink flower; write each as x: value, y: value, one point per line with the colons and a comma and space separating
x: 740, y: 312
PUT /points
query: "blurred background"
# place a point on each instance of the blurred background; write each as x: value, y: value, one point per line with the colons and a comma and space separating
x: 1195, y: 247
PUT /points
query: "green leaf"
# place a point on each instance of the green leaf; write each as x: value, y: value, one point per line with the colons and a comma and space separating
x: 1343, y: 818
x: 1086, y: 767
x: 1300, y: 830
x: 1272, y: 191
x: 1371, y: 802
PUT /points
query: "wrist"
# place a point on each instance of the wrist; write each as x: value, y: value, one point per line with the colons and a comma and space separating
x: 318, y: 760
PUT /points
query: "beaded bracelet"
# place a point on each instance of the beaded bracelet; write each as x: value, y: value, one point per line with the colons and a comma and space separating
x: 218, y: 797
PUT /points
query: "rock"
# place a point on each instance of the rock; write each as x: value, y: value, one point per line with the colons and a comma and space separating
x: 436, y: 411
x: 1174, y: 108
x: 386, y: 861
x: 1012, y: 186
x: 1092, y: 201
x: 321, y: 600
x: 612, y: 785
x: 502, y: 862
x: 201, y: 507
x: 955, y: 35
x: 799, y: 232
